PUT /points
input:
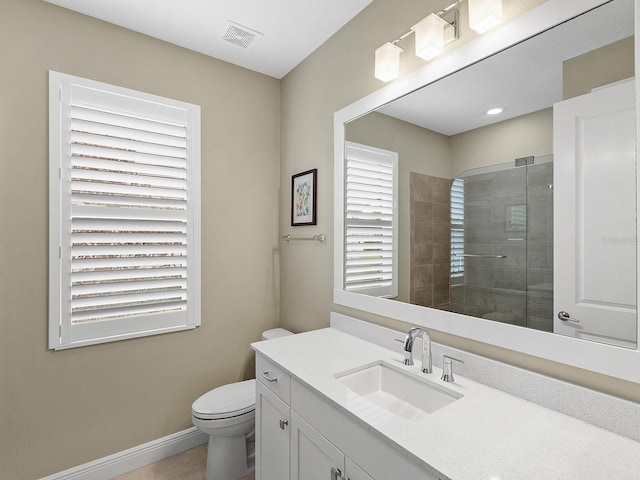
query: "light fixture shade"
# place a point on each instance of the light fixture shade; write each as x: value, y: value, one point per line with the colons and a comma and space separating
x: 484, y: 14
x: 388, y: 62
x: 430, y: 36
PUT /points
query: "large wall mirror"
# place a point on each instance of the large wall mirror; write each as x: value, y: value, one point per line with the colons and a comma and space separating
x: 516, y: 229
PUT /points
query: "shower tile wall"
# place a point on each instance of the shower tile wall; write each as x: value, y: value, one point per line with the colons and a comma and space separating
x: 430, y: 200
x: 508, y: 213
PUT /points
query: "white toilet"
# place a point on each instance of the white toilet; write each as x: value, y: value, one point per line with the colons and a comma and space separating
x: 227, y: 415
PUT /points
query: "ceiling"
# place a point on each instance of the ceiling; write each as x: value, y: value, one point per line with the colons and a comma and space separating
x: 282, y: 32
x: 522, y: 79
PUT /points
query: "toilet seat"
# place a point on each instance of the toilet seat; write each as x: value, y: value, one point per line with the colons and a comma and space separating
x: 227, y: 401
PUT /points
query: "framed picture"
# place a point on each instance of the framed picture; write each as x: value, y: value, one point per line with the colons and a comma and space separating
x: 303, y: 198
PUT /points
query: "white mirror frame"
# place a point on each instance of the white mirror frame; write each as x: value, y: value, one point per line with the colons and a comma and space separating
x: 605, y: 359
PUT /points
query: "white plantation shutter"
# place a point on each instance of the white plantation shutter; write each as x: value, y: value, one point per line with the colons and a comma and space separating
x: 457, y: 228
x: 124, y: 210
x: 371, y: 221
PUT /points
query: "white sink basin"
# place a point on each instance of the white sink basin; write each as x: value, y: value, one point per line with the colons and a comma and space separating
x: 397, y: 391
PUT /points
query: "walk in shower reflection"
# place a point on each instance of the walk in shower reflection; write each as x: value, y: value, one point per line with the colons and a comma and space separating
x: 502, y: 243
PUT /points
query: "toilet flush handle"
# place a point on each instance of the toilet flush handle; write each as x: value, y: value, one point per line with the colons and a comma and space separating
x: 268, y: 377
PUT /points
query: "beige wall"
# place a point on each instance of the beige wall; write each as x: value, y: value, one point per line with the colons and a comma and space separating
x: 605, y: 65
x: 503, y: 142
x: 334, y: 76
x: 61, y: 409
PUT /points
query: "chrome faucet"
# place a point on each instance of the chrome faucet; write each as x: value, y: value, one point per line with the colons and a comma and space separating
x: 426, y: 348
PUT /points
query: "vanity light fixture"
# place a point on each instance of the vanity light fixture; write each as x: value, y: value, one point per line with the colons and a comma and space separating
x: 484, y: 14
x: 431, y: 35
x: 434, y: 32
x: 388, y: 62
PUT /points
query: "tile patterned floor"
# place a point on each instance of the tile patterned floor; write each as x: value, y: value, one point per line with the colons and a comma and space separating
x: 189, y: 465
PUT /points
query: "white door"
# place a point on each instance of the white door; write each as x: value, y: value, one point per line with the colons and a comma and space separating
x: 313, y: 457
x: 272, y: 436
x: 595, y: 216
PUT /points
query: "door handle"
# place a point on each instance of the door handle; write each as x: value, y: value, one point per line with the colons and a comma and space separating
x: 336, y: 474
x: 565, y: 317
x: 283, y: 423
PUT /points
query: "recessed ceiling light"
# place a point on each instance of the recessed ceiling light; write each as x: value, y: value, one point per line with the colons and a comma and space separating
x: 495, y: 111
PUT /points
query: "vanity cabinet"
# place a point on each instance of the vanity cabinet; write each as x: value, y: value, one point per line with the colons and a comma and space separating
x: 272, y: 435
x: 301, y: 436
x: 273, y: 418
x: 353, y: 471
x: 313, y: 457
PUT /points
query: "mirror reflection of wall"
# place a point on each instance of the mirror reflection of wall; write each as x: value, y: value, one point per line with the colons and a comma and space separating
x: 430, y: 158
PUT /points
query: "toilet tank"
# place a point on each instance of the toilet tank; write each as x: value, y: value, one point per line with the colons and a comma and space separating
x: 275, y: 333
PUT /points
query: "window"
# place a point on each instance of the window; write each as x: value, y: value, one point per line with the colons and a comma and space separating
x: 457, y: 228
x: 371, y: 224
x: 124, y: 212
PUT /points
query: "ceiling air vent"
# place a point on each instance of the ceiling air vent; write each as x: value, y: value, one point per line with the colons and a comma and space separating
x: 239, y: 36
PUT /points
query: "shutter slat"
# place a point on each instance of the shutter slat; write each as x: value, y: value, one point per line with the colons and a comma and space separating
x: 127, y: 288
x: 364, y: 285
x: 119, y: 301
x: 122, y: 312
x: 130, y: 168
x: 354, y: 181
x: 128, y: 263
x: 123, y: 156
x: 127, y: 145
x: 132, y: 122
x: 79, y: 125
x: 144, y: 208
x: 378, y: 261
x: 368, y: 164
x: 141, y: 274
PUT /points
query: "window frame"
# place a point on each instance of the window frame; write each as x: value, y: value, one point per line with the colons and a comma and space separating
x: 63, y: 332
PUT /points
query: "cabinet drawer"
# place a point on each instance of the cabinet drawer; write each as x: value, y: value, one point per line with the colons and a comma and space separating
x: 274, y: 378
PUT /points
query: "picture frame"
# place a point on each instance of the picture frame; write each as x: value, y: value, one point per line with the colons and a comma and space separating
x: 304, y: 197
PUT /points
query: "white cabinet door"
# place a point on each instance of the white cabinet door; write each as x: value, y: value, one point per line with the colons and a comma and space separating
x: 595, y: 215
x: 313, y: 457
x: 272, y: 436
x: 354, y: 472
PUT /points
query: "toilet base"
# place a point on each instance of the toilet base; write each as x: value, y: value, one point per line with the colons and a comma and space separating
x: 227, y: 458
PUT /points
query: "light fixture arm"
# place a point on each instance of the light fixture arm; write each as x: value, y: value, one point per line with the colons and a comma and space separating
x: 442, y: 13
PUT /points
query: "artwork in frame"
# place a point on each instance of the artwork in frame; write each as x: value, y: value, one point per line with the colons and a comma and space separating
x: 303, y: 198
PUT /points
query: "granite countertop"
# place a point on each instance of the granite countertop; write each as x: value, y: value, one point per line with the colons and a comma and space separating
x: 485, y: 435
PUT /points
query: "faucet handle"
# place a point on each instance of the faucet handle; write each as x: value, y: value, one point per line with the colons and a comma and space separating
x: 447, y: 368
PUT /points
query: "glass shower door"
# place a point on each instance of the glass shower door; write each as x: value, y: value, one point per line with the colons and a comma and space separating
x: 501, y: 243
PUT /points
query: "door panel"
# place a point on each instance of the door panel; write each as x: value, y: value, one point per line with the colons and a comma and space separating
x: 312, y: 456
x: 595, y: 215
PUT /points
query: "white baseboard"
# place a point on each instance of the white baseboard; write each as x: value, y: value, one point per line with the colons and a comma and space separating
x: 136, y: 457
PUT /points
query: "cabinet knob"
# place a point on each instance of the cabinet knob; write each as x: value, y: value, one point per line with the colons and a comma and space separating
x: 336, y: 474
x: 283, y: 423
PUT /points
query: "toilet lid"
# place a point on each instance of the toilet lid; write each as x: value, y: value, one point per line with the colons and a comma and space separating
x: 226, y: 401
